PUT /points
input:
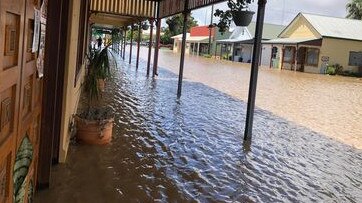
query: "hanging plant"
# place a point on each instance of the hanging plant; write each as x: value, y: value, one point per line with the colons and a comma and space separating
x: 145, y: 26
x: 238, y: 12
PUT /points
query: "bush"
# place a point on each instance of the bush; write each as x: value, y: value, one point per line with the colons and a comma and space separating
x: 335, y: 69
x: 207, y: 56
x: 331, y: 70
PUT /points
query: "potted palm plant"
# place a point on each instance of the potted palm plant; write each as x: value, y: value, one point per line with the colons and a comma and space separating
x: 238, y: 12
x: 95, y: 123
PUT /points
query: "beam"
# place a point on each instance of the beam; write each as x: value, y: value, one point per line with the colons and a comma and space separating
x: 183, y: 49
x: 150, y: 47
x: 254, y: 71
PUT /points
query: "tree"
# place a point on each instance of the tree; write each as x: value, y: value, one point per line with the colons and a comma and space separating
x: 354, y: 9
x: 175, y: 27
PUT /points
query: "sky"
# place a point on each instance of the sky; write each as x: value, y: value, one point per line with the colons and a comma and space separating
x: 282, y: 12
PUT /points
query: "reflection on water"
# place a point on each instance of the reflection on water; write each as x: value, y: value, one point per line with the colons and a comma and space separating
x: 191, y: 149
x: 328, y: 105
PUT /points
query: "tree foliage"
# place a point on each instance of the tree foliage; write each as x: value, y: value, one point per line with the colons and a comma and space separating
x: 354, y: 9
x: 175, y: 27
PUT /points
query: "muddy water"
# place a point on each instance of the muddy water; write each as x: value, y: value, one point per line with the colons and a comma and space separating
x: 189, y: 150
x: 329, y: 105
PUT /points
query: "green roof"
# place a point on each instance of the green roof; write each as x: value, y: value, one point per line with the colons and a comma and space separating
x: 270, y: 31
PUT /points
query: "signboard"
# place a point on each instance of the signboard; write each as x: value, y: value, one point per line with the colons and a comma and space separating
x: 325, y: 58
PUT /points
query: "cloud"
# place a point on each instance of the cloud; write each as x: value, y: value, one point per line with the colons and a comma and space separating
x: 283, y: 11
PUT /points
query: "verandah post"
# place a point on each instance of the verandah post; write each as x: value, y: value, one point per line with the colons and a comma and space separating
x: 186, y: 14
x: 130, y: 46
x: 138, y: 44
x: 150, y: 47
x: 254, y: 70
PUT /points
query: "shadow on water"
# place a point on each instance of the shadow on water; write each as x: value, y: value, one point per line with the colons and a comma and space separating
x: 192, y: 150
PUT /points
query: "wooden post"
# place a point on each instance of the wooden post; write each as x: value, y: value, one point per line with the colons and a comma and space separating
x: 296, y: 58
x: 216, y: 49
x: 211, y: 28
x: 139, y: 44
x: 157, y: 47
x: 254, y: 71
x: 150, y: 47
x: 121, y: 45
x: 130, y: 46
x: 124, y: 44
x: 283, y: 52
x: 186, y: 14
x: 54, y: 69
x: 271, y: 57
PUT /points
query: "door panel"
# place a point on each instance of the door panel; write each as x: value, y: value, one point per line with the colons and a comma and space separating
x: 20, y: 101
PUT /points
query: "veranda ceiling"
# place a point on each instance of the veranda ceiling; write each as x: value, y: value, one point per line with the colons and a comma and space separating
x: 109, y: 11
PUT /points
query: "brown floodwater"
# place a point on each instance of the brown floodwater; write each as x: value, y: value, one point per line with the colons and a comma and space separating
x: 190, y: 149
x: 330, y: 105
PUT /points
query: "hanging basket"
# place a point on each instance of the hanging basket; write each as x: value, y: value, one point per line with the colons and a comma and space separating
x: 145, y: 27
x: 173, y: 27
x: 242, y: 18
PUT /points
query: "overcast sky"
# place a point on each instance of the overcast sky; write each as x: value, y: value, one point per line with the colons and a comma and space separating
x: 283, y: 11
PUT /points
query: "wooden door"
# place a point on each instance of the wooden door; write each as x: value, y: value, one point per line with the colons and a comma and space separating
x: 20, y: 101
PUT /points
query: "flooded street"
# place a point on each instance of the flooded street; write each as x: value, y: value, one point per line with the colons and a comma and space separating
x: 329, y: 105
x: 191, y: 150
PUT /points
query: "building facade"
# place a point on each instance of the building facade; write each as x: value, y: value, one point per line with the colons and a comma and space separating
x: 310, y: 43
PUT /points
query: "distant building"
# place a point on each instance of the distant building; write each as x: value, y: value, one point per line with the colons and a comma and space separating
x: 312, y: 42
x: 239, y: 46
x: 197, y: 41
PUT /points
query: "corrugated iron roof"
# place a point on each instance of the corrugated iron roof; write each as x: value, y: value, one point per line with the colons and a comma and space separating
x: 335, y: 27
x: 289, y: 40
x: 270, y: 31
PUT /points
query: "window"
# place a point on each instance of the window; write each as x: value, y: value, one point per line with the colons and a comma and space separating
x: 355, y: 58
x: 312, y: 57
x: 274, y: 52
x: 288, y: 54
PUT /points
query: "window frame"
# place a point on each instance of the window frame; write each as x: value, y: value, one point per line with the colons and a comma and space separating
x: 350, y: 55
x: 82, y: 36
x: 306, y: 57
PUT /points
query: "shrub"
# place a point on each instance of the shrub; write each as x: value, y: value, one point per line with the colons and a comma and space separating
x: 207, y: 56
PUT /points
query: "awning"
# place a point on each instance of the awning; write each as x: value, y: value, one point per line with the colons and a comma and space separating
x: 225, y: 41
x: 197, y: 39
x: 295, y: 41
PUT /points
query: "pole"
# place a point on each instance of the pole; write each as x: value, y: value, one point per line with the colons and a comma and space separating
x: 211, y: 28
x: 130, y: 46
x: 157, y: 45
x: 120, y: 46
x: 150, y: 48
x: 139, y: 44
x: 254, y: 70
x: 183, y: 49
x: 124, y: 44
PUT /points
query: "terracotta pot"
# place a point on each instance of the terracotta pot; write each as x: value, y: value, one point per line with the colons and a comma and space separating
x: 101, y: 85
x: 242, y: 18
x: 94, y: 132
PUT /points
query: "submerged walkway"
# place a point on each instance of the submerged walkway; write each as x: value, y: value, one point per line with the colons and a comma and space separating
x: 191, y: 149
